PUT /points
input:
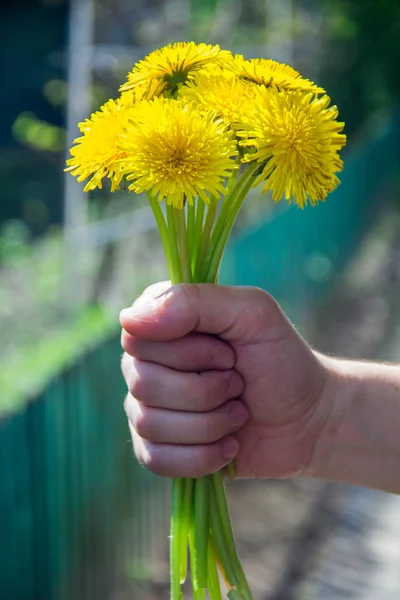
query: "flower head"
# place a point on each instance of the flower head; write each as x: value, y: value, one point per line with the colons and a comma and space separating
x: 166, y: 69
x: 298, y: 138
x: 270, y: 73
x: 176, y: 152
x: 96, y: 153
x: 232, y: 98
x: 132, y: 96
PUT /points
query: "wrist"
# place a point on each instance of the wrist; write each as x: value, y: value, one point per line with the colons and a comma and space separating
x: 334, y: 399
x: 333, y: 402
x: 360, y: 441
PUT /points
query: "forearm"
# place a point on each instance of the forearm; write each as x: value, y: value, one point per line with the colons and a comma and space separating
x: 360, y: 443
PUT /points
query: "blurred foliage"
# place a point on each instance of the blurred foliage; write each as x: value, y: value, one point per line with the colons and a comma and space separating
x: 41, y: 332
x: 55, y: 91
x: 360, y: 56
x: 14, y: 236
x: 24, y: 373
x: 37, y: 134
x: 32, y: 40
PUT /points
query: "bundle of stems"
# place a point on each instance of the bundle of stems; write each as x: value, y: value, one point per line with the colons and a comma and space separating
x: 194, y: 239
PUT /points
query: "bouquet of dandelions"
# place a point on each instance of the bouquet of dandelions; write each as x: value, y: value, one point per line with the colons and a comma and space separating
x: 195, y: 128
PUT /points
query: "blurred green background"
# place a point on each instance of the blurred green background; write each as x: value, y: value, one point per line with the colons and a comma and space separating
x: 68, y: 263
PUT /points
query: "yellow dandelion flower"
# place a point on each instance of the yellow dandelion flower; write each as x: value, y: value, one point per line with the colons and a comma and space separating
x: 298, y: 138
x: 165, y: 69
x: 132, y: 96
x: 232, y: 98
x: 270, y: 73
x: 96, y: 153
x: 174, y: 151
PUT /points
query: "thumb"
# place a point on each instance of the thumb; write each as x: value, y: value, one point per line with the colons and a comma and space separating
x: 235, y: 314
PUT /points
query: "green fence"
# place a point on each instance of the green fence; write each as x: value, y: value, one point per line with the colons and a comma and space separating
x: 78, y: 516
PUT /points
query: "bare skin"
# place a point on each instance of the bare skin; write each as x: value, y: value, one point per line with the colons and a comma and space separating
x: 218, y: 373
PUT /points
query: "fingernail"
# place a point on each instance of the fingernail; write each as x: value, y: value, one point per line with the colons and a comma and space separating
x: 238, y: 415
x: 143, y: 308
x: 230, y: 448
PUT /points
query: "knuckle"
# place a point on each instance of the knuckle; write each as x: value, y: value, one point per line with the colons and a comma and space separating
x: 126, y: 366
x: 189, y: 294
x: 207, y: 391
x: 217, y: 423
x: 138, y: 446
x: 187, y: 290
x: 223, y: 386
x: 226, y: 385
x: 143, y: 451
x: 138, y: 386
x: 127, y: 405
x: 235, y: 385
x: 143, y: 457
x: 262, y: 297
x: 130, y: 344
x: 141, y: 424
x: 215, y: 388
x: 271, y: 304
x: 228, y: 356
x: 210, y: 428
x: 152, y: 459
x: 267, y: 308
x: 206, y: 461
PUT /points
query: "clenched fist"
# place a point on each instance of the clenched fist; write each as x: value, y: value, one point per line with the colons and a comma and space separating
x: 218, y: 373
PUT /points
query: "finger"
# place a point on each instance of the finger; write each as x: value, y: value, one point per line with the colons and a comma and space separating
x: 162, y: 387
x: 126, y: 367
x: 193, y: 352
x: 233, y: 313
x: 169, y: 460
x: 181, y: 427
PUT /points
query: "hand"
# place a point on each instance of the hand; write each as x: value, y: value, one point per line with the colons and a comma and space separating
x: 218, y: 373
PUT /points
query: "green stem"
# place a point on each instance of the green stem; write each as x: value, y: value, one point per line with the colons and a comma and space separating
x: 176, y: 271
x: 231, y: 470
x: 205, y: 234
x: 235, y: 595
x: 220, y: 242
x: 200, y: 505
x: 225, y: 521
x: 184, y: 526
x: 162, y: 227
x: 244, y: 183
x: 190, y: 227
x: 222, y: 505
x: 219, y: 540
x: 198, y: 593
x: 181, y: 502
x: 230, y: 198
x: 198, y: 228
x: 179, y: 218
x: 233, y: 177
x: 175, y: 543
x: 213, y: 579
x: 181, y: 272
x: 201, y: 526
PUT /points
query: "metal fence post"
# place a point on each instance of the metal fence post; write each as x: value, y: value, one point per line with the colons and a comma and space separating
x: 80, y: 49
